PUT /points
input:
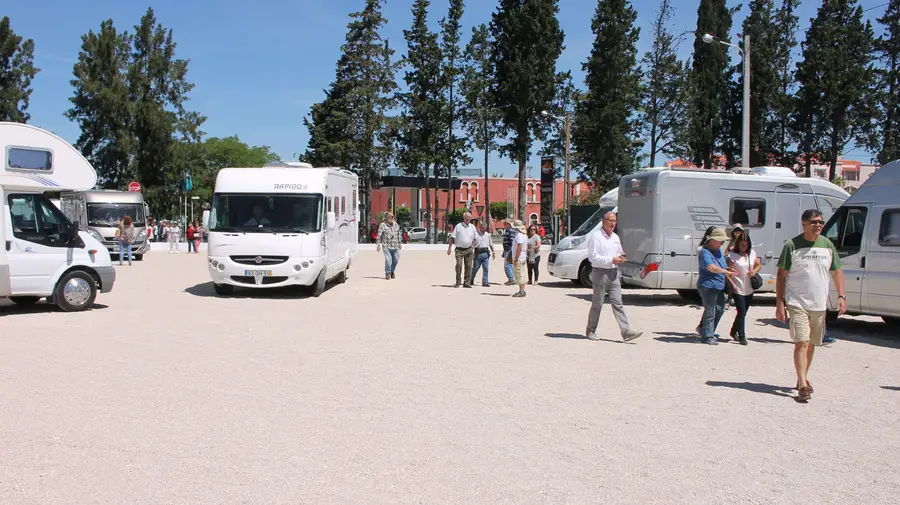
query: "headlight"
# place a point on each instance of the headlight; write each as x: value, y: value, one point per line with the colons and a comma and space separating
x: 96, y: 235
x: 571, y: 244
x: 142, y: 234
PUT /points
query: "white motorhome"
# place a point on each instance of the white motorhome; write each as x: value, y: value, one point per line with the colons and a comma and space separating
x: 99, y: 211
x: 664, y: 214
x: 866, y: 233
x: 282, y: 224
x: 568, y: 258
x: 44, y: 254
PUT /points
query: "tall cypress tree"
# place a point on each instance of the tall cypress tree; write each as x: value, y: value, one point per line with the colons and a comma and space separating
x: 663, y: 93
x: 455, y: 147
x: 886, y: 143
x: 835, y: 81
x: 421, y: 124
x: 528, y: 41
x: 710, y: 77
x: 786, y: 23
x: 17, y: 70
x: 605, y: 127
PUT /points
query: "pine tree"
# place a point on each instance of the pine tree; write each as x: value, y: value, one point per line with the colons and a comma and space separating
x: 663, y: 98
x: 421, y: 124
x: 710, y: 77
x: 101, y: 105
x: 604, y: 129
x: 886, y: 144
x: 835, y: 81
x: 479, y: 115
x: 455, y: 147
x: 786, y: 22
x: 17, y: 70
x: 528, y: 41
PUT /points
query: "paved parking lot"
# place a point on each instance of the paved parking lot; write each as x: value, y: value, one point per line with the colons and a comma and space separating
x: 411, y: 391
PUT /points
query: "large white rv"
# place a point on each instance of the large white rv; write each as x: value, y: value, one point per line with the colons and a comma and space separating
x: 568, y: 258
x: 282, y: 224
x: 44, y: 254
x: 99, y: 211
x: 866, y: 233
x: 663, y: 215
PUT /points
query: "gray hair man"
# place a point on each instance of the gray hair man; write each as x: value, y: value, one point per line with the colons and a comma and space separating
x: 606, y: 254
x: 463, y: 237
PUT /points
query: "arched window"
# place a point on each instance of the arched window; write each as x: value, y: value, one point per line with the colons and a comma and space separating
x: 533, y: 218
x: 464, y: 192
x: 537, y: 192
x: 529, y: 192
x: 473, y: 191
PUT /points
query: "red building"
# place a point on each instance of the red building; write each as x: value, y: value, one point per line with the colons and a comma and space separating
x: 472, y: 189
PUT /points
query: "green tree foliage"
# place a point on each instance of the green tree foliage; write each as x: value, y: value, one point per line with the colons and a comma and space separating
x: 605, y: 125
x: 218, y: 153
x: 351, y: 127
x: 421, y: 120
x: 567, y: 97
x: 479, y: 115
x: 17, y: 70
x: 498, y: 211
x: 403, y: 215
x: 130, y: 102
x: 663, y: 91
x: 835, y: 81
x: 787, y: 22
x: 528, y: 41
x: 710, y: 76
x: 886, y: 144
x: 455, y: 146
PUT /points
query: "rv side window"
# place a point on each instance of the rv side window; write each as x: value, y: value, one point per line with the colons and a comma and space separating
x: 354, y: 201
x: 337, y: 207
x: 845, y: 229
x: 748, y: 212
x: 343, y: 205
x: 329, y: 204
x: 889, y: 231
x: 22, y: 158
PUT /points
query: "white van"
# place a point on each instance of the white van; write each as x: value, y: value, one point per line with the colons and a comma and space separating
x: 283, y: 224
x: 44, y: 254
x: 568, y: 258
x: 866, y: 233
x: 664, y: 214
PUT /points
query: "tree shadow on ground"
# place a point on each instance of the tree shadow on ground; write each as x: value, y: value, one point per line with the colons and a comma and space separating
x: 644, y: 300
x: 561, y: 285
x: 891, y: 388
x: 504, y: 295
x: 206, y: 290
x: 771, y: 321
x: 677, y: 338
x: 42, y: 307
x: 575, y: 336
x: 764, y: 340
x: 754, y: 387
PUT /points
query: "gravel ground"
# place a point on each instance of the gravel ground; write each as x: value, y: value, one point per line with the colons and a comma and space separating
x: 410, y: 391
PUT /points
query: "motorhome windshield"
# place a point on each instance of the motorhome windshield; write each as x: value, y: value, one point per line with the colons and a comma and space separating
x: 107, y: 215
x: 592, y: 222
x: 266, y: 213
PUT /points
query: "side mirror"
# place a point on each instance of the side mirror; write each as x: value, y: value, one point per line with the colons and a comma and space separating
x: 330, y: 221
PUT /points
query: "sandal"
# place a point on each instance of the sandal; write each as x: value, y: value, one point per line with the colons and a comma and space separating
x: 808, y: 386
x: 804, y: 395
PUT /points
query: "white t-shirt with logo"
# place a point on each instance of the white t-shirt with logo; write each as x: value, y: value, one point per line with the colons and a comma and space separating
x: 809, y: 266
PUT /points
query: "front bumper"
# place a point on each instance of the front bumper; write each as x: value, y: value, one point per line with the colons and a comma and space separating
x: 565, y: 265
x: 107, y: 278
x: 223, y: 270
x: 136, y: 248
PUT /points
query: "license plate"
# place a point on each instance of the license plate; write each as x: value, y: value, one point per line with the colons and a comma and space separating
x: 257, y: 273
x: 551, y: 259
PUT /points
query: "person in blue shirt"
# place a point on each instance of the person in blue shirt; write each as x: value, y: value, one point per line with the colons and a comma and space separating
x: 713, y: 273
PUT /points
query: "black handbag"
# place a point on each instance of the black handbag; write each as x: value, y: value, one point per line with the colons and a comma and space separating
x: 756, y: 281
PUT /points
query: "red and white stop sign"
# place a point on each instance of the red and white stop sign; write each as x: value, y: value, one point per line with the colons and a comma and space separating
x: 134, y: 187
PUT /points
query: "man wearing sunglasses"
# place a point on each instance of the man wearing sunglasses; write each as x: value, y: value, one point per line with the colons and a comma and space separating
x: 806, y: 262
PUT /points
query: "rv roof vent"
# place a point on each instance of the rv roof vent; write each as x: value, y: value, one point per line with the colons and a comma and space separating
x: 288, y: 164
x: 776, y: 171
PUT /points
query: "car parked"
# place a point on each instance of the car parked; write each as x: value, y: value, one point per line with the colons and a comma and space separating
x: 416, y: 233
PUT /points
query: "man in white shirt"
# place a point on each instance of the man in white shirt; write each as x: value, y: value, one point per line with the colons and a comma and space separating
x: 519, y: 255
x: 484, y: 252
x: 463, y: 237
x: 605, y: 254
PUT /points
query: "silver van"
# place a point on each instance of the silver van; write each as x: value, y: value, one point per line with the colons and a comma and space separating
x: 98, y: 211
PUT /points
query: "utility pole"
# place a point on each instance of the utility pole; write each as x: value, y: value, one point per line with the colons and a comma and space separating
x: 566, y: 182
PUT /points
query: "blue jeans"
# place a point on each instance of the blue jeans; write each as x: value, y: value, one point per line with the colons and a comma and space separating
x: 713, y: 308
x: 123, y: 248
x: 742, y: 303
x: 391, y: 258
x: 481, y: 260
x: 508, y: 270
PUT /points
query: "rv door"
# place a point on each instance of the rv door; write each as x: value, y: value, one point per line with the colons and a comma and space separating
x: 882, y: 272
x: 5, y: 245
x: 847, y: 230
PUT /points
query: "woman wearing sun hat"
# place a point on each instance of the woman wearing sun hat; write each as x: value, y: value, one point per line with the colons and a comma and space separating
x: 713, y: 274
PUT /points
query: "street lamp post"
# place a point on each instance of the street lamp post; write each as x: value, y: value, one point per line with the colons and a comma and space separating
x: 568, y: 120
x: 745, y: 53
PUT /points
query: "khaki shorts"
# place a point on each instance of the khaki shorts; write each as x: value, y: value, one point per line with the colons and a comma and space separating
x: 521, y: 273
x: 806, y: 326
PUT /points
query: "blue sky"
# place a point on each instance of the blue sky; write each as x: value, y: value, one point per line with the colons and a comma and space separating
x: 258, y: 66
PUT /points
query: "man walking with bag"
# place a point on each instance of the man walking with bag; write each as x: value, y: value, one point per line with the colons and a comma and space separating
x: 801, y: 291
x: 605, y: 254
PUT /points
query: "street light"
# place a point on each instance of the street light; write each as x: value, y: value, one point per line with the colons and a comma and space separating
x: 192, y: 206
x: 745, y: 52
x: 568, y: 120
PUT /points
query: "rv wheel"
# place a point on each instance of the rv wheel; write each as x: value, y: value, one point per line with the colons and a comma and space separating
x: 138, y: 257
x: 584, y: 275
x: 319, y: 287
x: 691, y: 295
x: 75, y: 291
x: 223, y: 289
x: 25, y: 300
x: 342, y: 277
x: 891, y: 321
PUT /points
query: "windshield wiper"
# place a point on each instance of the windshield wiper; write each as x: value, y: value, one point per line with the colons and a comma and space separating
x: 227, y: 228
x: 300, y: 230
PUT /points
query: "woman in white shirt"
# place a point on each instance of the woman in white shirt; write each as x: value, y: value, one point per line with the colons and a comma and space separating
x: 745, y: 264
